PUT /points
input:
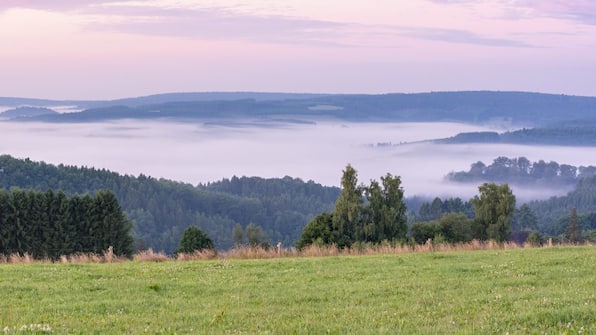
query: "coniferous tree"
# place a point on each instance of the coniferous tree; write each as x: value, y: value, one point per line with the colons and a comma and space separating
x: 573, y: 232
x: 5, y: 224
x: 18, y: 218
x: 115, y: 227
x: 48, y: 224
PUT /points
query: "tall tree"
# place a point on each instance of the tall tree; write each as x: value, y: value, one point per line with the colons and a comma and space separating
x: 5, y: 224
x: 573, y: 233
x: 348, y: 208
x: 494, y: 207
x: 255, y: 236
x: 386, y: 219
x: 238, y: 235
x: 114, y: 226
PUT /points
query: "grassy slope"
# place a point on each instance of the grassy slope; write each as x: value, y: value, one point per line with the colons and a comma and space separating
x: 520, y: 291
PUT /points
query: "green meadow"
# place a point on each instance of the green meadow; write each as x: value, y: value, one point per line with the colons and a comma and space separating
x: 514, y: 291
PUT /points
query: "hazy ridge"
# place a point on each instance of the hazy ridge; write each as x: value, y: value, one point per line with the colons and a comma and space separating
x: 520, y: 108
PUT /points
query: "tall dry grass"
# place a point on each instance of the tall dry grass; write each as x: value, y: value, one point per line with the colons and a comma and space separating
x: 246, y: 252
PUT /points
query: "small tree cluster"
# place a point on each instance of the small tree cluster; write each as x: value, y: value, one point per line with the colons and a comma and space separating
x: 48, y: 224
x: 253, y: 235
x: 372, y: 214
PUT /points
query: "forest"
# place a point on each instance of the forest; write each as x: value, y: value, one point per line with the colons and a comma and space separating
x: 569, y: 134
x: 279, y: 209
x: 49, y: 225
x: 162, y: 209
x: 521, y: 171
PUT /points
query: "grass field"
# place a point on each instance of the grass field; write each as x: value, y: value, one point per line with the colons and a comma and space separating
x: 518, y: 291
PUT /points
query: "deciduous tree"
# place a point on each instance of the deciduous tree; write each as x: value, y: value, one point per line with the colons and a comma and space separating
x: 348, y: 208
x: 494, y: 207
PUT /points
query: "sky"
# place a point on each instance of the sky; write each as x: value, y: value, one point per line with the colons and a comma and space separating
x: 108, y: 49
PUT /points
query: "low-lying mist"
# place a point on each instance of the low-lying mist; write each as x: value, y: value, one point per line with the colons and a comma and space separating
x: 199, y: 153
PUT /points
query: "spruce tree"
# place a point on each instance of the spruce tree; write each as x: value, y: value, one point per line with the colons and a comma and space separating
x: 5, y: 225
x: 573, y: 232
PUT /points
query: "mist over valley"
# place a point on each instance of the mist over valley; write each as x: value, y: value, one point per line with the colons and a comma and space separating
x: 199, y: 152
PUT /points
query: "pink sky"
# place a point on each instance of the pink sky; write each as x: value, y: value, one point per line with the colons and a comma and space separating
x: 100, y: 49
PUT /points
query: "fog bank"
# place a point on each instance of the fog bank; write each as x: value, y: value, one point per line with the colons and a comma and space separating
x: 199, y: 153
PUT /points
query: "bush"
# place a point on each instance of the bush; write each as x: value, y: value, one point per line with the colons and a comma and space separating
x: 194, y: 239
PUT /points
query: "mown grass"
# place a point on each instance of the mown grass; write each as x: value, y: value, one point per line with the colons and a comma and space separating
x: 517, y: 291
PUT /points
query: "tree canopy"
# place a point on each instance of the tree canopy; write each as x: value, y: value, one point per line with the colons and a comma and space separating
x: 50, y: 225
x: 194, y: 239
x: 372, y: 214
x: 494, y: 208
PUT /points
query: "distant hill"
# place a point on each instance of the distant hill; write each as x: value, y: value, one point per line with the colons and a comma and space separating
x: 162, y: 209
x: 480, y: 107
x: 26, y: 112
x: 553, y: 214
x: 576, y: 133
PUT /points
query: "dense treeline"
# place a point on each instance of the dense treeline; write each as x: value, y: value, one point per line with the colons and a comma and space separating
x: 48, y: 224
x: 486, y: 216
x: 271, y: 210
x: 377, y: 213
x: 161, y: 209
x: 451, y: 220
x: 522, y: 171
x: 435, y: 209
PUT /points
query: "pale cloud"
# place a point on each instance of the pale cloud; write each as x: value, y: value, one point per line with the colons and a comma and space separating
x: 111, y: 48
x: 230, y: 20
x: 583, y: 11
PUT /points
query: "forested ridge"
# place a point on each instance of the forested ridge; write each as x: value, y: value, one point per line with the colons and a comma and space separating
x: 552, y: 215
x: 582, y: 133
x: 162, y: 209
x: 464, y: 106
x: 521, y: 171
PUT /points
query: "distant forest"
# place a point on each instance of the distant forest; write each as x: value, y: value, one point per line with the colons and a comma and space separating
x: 161, y: 210
x: 520, y: 108
x: 523, y: 172
x: 570, y: 135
